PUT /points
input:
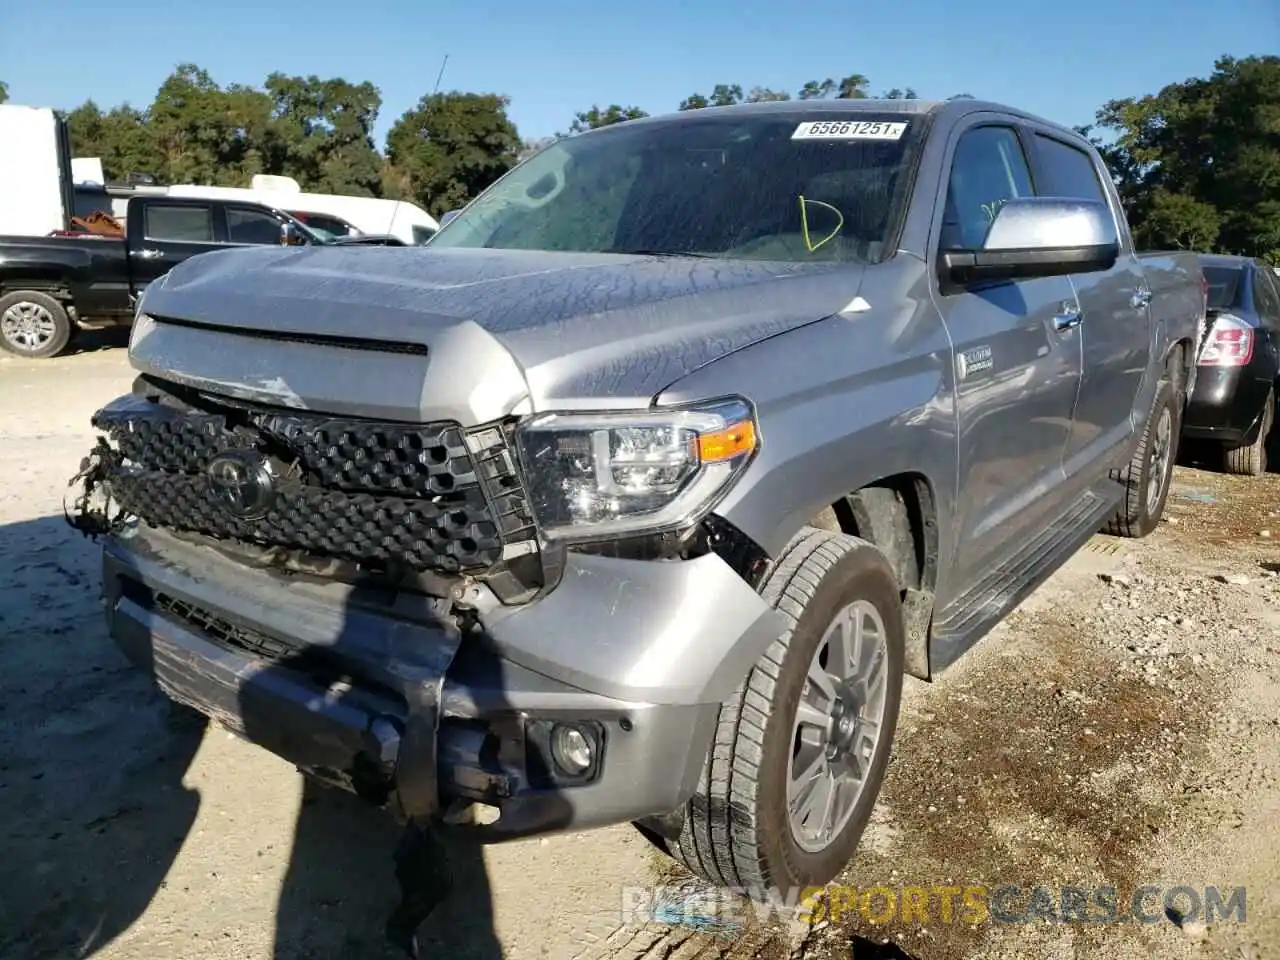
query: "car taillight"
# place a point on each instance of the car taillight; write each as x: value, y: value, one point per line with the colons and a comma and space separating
x: 1230, y: 343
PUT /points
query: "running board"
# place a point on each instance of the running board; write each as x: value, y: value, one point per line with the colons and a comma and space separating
x: 969, y: 617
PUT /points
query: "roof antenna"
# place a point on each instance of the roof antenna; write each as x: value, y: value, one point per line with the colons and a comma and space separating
x: 440, y: 74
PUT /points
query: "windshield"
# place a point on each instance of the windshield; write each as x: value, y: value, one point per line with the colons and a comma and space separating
x: 320, y: 233
x: 769, y: 187
x: 1225, y: 289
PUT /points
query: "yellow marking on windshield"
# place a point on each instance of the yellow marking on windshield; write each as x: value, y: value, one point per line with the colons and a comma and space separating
x: 804, y: 223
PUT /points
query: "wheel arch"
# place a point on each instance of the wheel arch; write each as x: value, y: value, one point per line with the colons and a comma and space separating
x: 898, y: 514
x: 1180, y: 366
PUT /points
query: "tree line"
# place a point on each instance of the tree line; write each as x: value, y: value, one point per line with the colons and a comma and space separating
x: 1197, y: 164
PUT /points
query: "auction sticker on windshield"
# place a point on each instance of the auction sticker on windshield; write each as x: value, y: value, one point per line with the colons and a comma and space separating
x: 849, y: 130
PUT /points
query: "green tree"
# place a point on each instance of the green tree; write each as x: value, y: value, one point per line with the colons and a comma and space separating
x: 529, y: 147
x: 1198, y: 163
x: 321, y: 132
x: 898, y: 94
x: 723, y: 95
x: 4, y: 91
x: 595, y: 117
x: 451, y: 146
x: 765, y: 95
x: 119, y: 137
x: 1176, y: 220
x: 204, y: 134
x: 852, y: 87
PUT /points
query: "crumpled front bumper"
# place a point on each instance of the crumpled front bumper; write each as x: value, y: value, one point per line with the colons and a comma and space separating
x: 382, y: 695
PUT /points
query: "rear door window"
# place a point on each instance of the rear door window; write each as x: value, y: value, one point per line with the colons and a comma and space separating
x: 182, y: 224
x: 1068, y: 172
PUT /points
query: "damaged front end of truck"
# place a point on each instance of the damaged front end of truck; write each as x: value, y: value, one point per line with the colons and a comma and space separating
x: 371, y: 598
x: 366, y: 536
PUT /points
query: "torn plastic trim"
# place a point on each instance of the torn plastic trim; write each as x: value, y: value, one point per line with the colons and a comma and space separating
x: 93, y: 511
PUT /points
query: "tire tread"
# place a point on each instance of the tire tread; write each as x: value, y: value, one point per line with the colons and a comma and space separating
x: 718, y: 841
x: 1130, y: 518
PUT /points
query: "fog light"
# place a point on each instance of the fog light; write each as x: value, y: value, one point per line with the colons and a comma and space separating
x: 570, y: 749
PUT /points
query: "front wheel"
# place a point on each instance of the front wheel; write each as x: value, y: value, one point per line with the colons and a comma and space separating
x: 801, y: 748
x: 33, y: 324
x: 1147, y: 476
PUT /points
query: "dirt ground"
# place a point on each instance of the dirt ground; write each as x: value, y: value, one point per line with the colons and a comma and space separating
x: 1121, y: 729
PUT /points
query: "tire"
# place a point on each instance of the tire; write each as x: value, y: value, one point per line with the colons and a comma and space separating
x: 1144, y: 500
x: 1251, y: 460
x: 33, y: 325
x: 737, y: 831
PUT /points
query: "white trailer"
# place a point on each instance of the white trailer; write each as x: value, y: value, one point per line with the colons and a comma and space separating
x: 35, y: 171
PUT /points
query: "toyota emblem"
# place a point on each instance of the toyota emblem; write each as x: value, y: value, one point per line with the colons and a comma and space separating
x: 241, y: 483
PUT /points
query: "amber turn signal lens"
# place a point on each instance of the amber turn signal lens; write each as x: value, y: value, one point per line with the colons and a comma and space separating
x: 733, y: 441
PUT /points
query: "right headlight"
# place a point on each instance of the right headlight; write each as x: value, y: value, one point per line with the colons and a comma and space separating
x: 593, y: 476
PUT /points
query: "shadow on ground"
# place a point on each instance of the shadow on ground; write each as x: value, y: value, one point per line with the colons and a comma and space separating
x: 1208, y: 455
x: 860, y: 948
x: 95, y: 810
x: 92, y: 341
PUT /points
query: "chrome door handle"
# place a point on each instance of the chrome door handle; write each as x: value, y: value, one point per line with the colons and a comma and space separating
x: 1140, y: 299
x: 1069, y: 318
x: 150, y: 254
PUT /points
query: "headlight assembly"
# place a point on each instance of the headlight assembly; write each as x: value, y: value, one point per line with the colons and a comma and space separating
x: 600, y: 475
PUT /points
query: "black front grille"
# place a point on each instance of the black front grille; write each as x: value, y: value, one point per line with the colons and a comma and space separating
x: 426, y: 496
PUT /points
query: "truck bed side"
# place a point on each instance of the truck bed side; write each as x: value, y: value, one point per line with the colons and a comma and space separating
x: 1177, y: 303
x: 92, y: 274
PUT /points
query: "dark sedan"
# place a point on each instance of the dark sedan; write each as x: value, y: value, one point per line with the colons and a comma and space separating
x: 1234, y: 401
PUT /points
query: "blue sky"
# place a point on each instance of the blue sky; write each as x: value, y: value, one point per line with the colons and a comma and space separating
x: 554, y: 57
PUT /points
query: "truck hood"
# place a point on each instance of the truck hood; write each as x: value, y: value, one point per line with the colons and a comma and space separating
x: 559, y: 330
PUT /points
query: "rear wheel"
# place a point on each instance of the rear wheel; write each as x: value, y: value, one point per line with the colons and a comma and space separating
x: 1147, y: 476
x: 33, y: 324
x: 1251, y: 460
x: 801, y: 747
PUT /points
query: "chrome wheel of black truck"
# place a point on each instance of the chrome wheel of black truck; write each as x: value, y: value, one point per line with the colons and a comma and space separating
x: 33, y: 324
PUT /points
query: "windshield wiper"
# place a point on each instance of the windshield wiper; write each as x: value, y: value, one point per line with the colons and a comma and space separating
x: 645, y: 252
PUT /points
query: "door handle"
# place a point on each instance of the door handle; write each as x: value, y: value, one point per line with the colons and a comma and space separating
x: 1068, y: 317
x: 1140, y: 299
x: 150, y: 254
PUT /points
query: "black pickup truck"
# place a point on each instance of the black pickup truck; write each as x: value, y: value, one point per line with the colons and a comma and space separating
x: 51, y: 287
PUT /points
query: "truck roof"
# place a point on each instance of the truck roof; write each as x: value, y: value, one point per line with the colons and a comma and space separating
x: 1224, y: 259
x: 953, y: 110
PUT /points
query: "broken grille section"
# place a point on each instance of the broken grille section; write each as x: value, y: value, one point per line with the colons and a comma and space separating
x: 428, y: 496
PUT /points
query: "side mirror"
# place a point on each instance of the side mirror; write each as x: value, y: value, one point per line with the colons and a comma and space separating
x: 449, y: 216
x: 1039, y: 237
x: 290, y: 237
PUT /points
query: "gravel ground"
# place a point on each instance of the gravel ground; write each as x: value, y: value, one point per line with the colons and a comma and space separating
x: 1122, y: 728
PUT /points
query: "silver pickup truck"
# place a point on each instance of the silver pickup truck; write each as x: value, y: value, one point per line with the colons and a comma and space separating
x: 637, y: 492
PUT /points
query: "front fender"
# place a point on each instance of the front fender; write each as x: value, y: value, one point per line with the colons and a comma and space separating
x: 841, y: 404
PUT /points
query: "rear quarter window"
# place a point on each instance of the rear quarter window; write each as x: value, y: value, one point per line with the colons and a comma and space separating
x: 1225, y: 289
